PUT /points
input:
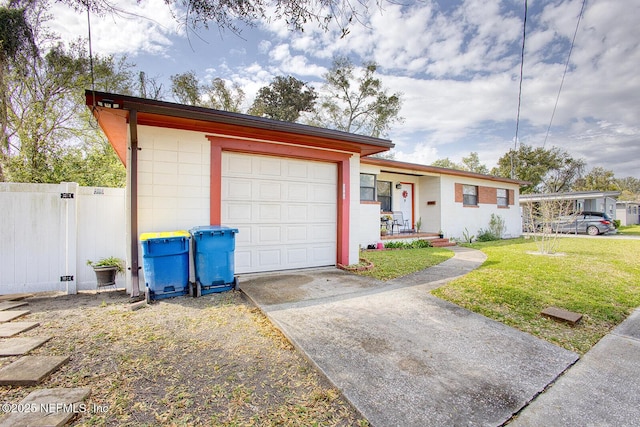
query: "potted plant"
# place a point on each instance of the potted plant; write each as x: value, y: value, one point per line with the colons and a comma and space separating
x: 441, y: 234
x: 418, y: 225
x: 106, y: 270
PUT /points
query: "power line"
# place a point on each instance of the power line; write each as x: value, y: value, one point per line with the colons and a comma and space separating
x: 93, y: 83
x: 524, y: 37
x: 566, y: 67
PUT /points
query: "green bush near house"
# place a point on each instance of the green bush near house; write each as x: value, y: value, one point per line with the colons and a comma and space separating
x: 495, y: 230
x: 599, y: 278
x: 416, y: 244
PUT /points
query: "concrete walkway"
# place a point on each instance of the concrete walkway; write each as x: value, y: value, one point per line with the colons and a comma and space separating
x: 602, y: 389
x: 403, y: 357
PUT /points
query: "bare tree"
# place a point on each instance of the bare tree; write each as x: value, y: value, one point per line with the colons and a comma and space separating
x: 541, y: 218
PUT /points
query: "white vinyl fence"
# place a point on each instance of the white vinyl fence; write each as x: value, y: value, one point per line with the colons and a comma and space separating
x: 49, y: 231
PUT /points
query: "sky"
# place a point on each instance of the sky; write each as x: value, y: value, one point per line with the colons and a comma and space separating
x: 456, y: 62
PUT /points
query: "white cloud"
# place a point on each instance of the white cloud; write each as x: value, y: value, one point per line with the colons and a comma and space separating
x: 457, y: 63
x: 134, y: 30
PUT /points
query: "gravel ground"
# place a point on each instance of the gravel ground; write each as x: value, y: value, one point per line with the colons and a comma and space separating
x: 214, y: 360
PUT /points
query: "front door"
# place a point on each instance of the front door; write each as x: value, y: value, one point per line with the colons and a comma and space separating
x: 406, y: 202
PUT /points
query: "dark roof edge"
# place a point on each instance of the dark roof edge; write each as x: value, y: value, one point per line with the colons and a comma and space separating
x: 438, y: 169
x: 569, y: 194
x: 127, y: 102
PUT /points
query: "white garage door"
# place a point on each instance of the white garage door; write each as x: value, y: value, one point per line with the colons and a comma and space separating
x: 285, y: 210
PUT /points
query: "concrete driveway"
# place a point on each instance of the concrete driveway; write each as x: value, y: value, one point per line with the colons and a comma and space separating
x: 403, y: 357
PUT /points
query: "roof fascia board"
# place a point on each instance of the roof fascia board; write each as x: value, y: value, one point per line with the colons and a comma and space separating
x: 393, y: 166
x: 142, y: 105
x: 570, y: 195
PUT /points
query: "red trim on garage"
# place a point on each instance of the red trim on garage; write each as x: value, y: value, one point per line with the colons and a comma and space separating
x: 215, y: 191
x: 219, y: 144
x: 344, y: 198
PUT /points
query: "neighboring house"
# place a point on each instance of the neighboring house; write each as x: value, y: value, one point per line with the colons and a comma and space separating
x: 593, y: 201
x: 628, y: 212
x: 293, y: 191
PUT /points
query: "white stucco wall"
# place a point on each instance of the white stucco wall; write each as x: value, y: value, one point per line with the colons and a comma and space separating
x: 456, y: 217
x: 173, y: 179
x: 173, y: 184
x: 429, y: 209
x: 369, y: 224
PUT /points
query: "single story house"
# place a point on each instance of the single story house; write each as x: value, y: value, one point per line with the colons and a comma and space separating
x: 628, y: 212
x: 443, y: 200
x: 301, y: 196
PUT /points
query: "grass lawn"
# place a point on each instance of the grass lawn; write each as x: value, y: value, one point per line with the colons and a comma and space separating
x: 390, y: 264
x: 629, y: 230
x: 599, y: 278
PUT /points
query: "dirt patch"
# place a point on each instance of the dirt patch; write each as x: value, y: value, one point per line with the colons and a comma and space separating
x: 215, y: 360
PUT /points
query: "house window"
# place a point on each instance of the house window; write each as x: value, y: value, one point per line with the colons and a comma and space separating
x: 367, y: 187
x: 384, y: 195
x: 470, y: 195
x: 502, y: 196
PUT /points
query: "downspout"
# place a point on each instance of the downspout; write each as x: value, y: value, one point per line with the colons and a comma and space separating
x: 133, y: 203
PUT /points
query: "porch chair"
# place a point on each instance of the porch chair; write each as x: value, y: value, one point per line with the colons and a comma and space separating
x: 399, y: 222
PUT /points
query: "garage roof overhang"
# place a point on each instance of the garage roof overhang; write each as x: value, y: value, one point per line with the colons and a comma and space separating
x: 112, y: 112
x: 393, y: 166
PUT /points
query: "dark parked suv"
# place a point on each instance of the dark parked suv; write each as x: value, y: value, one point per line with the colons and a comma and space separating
x: 592, y: 223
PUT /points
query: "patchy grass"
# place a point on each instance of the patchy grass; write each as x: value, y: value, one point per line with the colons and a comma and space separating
x: 629, y: 230
x: 390, y: 264
x: 215, y: 360
x: 599, y: 278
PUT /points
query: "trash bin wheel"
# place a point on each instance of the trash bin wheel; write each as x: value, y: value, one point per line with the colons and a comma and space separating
x: 198, y: 290
x: 236, y: 284
x: 190, y: 289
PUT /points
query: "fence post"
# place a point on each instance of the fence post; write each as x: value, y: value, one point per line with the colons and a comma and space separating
x: 69, y: 194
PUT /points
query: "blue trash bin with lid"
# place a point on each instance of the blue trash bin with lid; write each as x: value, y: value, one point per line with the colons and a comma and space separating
x: 165, y: 264
x: 213, y: 259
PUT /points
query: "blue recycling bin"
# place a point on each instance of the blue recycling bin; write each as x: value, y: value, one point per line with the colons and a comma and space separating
x: 213, y: 259
x: 165, y: 264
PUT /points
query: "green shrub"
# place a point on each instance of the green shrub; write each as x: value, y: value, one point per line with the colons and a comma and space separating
x: 616, y: 223
x: 418, y: 244
x: 496, y: 226
x: 394, y: 245
x: 486, y: 236
x: 468, y: 238
x: 494, y: 232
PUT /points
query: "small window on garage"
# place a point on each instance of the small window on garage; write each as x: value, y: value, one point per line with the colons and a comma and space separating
x: 367, y: 187
x: 470, y: 195
x: 384, y: 195
x: 502, y: 196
